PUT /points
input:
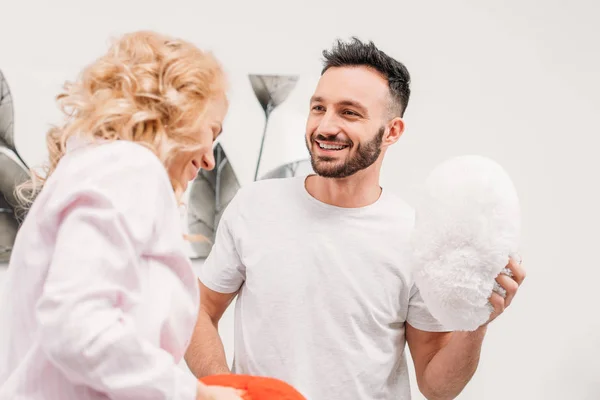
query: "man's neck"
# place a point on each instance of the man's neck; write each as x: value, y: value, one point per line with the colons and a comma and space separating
x: 358, y: 190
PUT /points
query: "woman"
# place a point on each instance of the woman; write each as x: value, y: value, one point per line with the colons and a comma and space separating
x: 101, y: 299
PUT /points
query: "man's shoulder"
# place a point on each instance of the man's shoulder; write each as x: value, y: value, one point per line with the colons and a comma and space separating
x: 395, y: 206
x: 267, y: 188
x: 265, y: 196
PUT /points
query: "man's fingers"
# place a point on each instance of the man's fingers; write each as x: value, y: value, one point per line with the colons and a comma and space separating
x: 506, y: 286
x: 497, y: 302
x: 510, y: 286
x: 517, y: 270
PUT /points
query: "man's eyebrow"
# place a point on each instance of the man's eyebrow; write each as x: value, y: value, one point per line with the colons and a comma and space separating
x: 350, y: 103
x: 353, y: 103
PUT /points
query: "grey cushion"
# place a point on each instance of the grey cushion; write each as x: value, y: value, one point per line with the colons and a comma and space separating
x: 6, y: 115
x: 13, y: 172
x: 210, y: 193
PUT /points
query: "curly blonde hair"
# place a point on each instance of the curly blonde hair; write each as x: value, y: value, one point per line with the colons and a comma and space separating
x: 148, y: 88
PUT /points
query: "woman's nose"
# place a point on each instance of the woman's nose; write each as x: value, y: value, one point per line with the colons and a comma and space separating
x: 208, y: 161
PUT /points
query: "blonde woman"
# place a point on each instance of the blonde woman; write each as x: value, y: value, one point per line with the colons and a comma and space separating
x: 101, y: 299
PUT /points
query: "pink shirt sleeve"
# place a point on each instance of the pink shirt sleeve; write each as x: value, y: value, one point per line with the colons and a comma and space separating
x: 95, y: 276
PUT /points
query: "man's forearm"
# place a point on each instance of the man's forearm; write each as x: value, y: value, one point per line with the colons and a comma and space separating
x: 449, y: 371
x: 206, y: 354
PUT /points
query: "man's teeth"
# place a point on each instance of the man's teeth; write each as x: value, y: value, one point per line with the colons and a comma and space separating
x: 331, y: 146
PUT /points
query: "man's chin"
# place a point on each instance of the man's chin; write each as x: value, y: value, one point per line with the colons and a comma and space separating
x: 326, y: 172
x: 321, y: 164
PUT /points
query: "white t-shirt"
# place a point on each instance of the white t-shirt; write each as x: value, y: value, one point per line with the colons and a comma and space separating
x: 325, y: 291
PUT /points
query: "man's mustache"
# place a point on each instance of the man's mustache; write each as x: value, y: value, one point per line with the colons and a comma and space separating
x: 332, y: 140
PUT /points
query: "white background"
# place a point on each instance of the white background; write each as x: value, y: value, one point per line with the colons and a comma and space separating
x: 514, y: 80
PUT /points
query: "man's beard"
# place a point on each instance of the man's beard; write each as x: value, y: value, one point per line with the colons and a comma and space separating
x: 364, y: 156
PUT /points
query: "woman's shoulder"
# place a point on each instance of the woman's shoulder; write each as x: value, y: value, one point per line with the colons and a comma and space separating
x: 120, y: 154
x: 107, y: 158
x: 121, y: 170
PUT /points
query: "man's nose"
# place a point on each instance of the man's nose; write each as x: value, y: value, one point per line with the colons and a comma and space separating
x: 329, y: 124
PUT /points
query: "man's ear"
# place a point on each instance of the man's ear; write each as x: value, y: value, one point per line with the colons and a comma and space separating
x: 394, y: 131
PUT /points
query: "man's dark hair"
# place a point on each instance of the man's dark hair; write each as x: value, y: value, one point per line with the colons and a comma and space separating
x: 358, y: 53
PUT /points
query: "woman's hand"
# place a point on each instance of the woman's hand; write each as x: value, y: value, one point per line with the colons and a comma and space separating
x: 206, y: 392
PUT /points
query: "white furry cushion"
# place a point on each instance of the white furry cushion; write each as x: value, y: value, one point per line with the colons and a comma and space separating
x: 467, y: 226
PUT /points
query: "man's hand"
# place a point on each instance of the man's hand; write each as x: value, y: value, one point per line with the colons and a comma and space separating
x: 445, y: 362
x: 509, y: 280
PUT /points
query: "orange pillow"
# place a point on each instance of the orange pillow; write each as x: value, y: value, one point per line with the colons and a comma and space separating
x: 256, y: 387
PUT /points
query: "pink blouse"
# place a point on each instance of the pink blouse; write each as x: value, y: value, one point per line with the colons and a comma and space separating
x: 100, y: 299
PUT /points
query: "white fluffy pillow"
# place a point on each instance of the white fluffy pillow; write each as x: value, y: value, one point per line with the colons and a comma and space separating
x: 467, y: 227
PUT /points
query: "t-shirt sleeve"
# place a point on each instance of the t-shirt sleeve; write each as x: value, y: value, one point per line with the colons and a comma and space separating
x: 419, y: 316
x: 223, y: 270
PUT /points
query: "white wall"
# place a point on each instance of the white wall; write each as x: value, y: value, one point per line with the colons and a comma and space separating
x: 514, y: 80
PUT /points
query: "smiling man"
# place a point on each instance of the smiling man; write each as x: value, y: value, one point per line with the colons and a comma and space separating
x: 327, y: 300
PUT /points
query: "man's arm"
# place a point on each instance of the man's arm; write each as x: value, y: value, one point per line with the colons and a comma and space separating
x: 205, y: 354
x: 445, y: 362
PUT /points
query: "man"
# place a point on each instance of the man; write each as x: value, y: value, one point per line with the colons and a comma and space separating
x: 326, y: 295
